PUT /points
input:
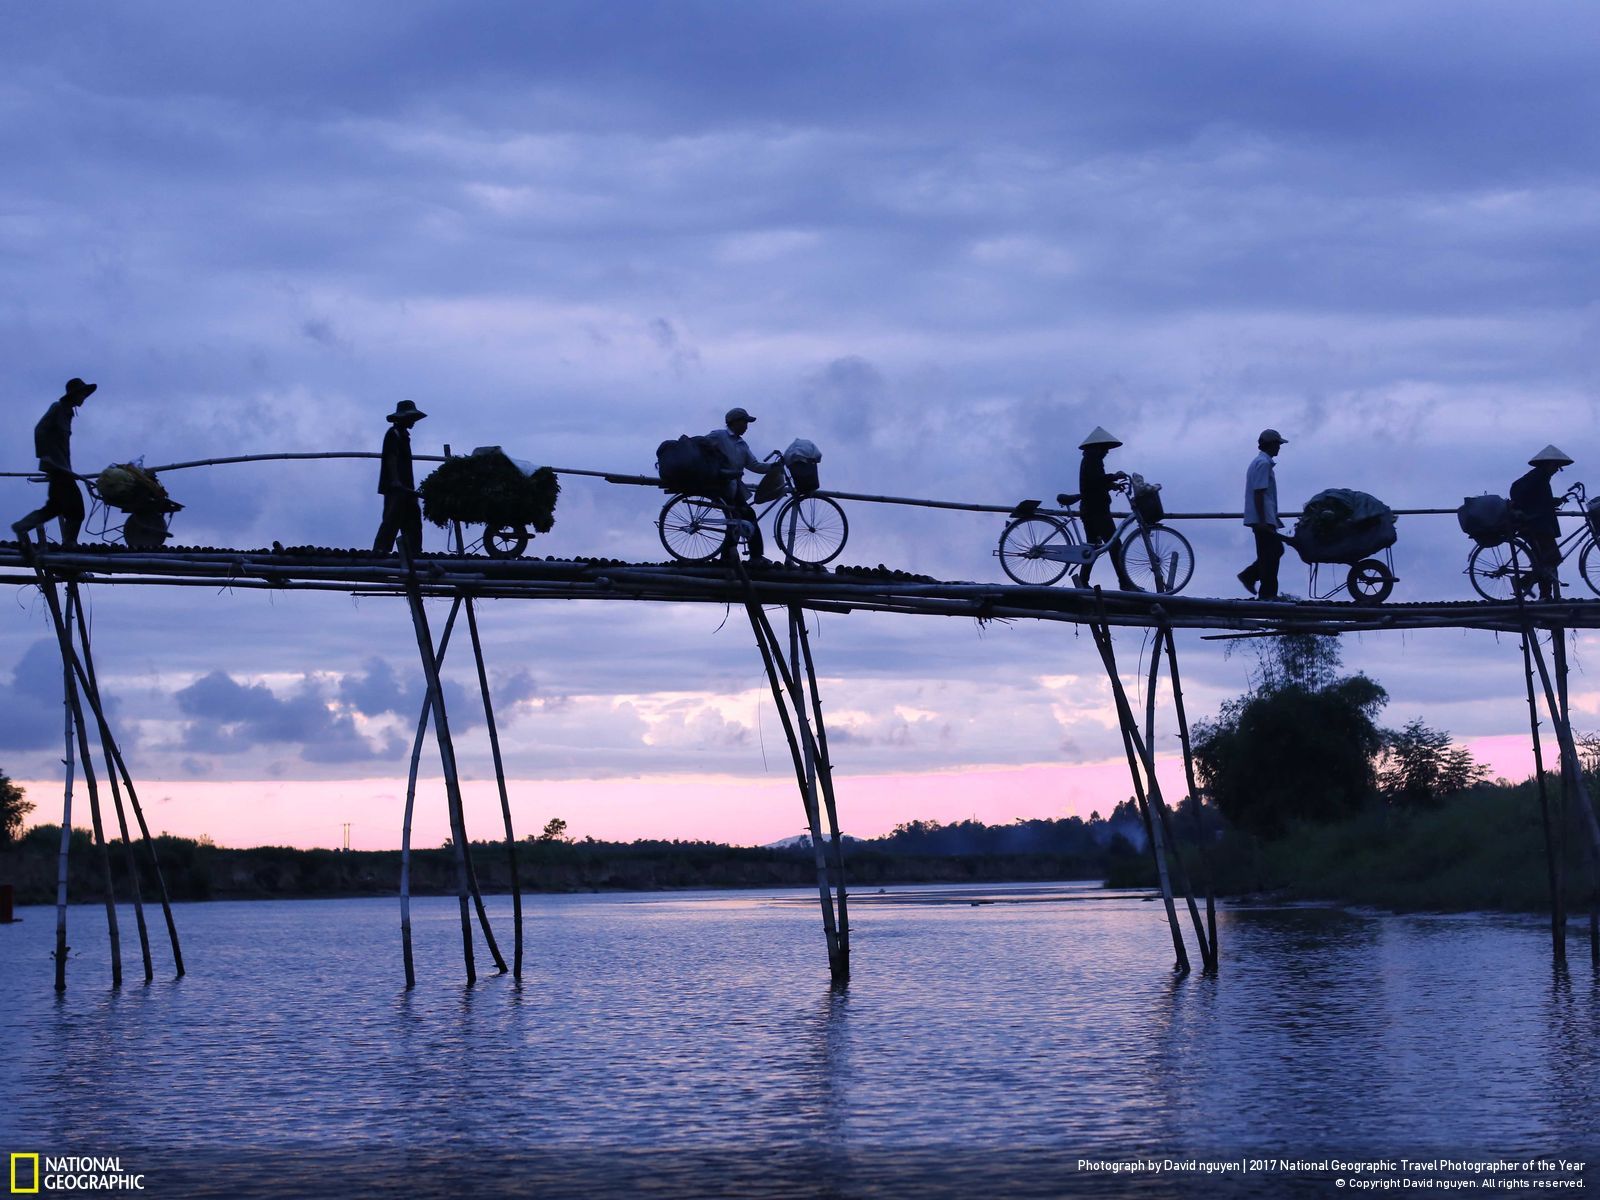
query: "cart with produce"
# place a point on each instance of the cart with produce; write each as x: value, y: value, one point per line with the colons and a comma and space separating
x: 141, y: 498
x: 513, y: 500
x: 1341, y: 526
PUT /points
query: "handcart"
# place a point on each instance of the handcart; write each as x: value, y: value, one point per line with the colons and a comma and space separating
x: 1352, y: 529
x: 513, y: 500
x: 143, y: 499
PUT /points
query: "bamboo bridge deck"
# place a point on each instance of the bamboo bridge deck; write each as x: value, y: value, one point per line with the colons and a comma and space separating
x: 842, y: 589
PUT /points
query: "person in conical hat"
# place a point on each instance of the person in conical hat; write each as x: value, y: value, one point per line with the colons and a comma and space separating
x: 1095, y: 485
x: 1533, y: 505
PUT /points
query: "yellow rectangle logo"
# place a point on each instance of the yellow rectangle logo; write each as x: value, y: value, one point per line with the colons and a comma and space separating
x: 24, y: 1191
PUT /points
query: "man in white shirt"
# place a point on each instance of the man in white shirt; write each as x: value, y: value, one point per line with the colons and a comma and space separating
x: 1260, y: 578
x: 740, y: 458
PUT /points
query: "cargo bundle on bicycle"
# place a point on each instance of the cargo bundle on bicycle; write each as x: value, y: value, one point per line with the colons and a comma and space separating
x: 137, y: 492
x: 1341, y: 525
x: 510, y: 498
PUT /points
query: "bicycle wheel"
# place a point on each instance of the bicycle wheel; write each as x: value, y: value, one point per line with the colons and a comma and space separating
x: 818, y: 526
x: 1156, y: 558
x: 1024, y: 546
x: 1589, y: 565
x: 1502, y: 572
x: 693, y: 528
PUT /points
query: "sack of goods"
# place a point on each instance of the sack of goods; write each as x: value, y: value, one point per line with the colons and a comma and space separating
x: 802, y: 458
x: 1486, y: 519
x: 131, y: 488
x: 1343, y: 526
x: 693, y: 465
x: 1591, y: 514
x: 487, y: 487
x: 1147, y: 500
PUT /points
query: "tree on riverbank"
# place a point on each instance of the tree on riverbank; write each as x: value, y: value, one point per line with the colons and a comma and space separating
x: 13, y: 808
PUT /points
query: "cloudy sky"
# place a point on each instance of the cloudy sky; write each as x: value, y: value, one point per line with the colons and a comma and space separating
x: 941, y: 240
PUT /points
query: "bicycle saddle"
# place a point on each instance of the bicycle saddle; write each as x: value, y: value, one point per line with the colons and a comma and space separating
x: 1068, y: 499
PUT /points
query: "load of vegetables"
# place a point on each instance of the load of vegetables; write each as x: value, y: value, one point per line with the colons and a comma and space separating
x: 489, y: 488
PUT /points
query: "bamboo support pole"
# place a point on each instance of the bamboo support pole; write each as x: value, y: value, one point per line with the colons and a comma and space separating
x: 1569, y: 752
x: 825, y: 776
x: 84, y: 667
x: 1159, y: 804
x: 411, y: 802
x: 68, y: 760
x: 1555, y: 870
x: 63, y: 627
x: 772, y: 661
x: 1573, y: 796
x: 452, y: 781
x: 1129, y: 723
x: 1203, y: 852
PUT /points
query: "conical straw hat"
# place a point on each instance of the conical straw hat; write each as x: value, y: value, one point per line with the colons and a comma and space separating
x: 1550, y: 454
x: 1099, y: 437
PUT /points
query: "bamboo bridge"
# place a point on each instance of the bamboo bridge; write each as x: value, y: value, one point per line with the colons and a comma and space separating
x: 60, y: 574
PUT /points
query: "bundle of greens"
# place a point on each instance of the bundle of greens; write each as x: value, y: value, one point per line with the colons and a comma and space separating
x: 131, y: 488
x: 487, y: 488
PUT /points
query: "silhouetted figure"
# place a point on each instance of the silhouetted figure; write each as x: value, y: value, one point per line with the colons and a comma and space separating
x: 740, y: 458
x: 1260, y: 578
x: 402, y: 514
x: 1533, y: 510
x: 52, y: 442
x: 1095, y: 485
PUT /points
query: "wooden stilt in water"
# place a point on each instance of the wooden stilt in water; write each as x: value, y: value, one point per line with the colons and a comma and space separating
x: 68, y: 760
x: 1555, y: 871
x: 772, y: 660
x: 500, y: 781
x: 1130, y: 730
x: 63, y: 624
x: 447, y: 760
x: 1158, y: 803
x: 1571, y: 766
x: 84, y: 668
x: 411, y: 803
x: 1203, y: 851
x: 825, y: 777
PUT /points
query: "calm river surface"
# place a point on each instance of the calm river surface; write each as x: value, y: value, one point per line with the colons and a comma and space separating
x: 689, y: 1044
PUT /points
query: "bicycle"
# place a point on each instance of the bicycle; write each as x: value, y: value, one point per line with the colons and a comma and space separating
x: 1507, y: 570
x: 1036, y: 548
x: 810, y: 529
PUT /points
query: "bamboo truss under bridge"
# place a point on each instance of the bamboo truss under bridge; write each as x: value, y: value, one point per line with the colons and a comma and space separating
x: 774, y: 601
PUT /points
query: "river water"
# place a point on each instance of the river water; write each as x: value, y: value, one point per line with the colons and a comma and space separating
x: 689, y: 1044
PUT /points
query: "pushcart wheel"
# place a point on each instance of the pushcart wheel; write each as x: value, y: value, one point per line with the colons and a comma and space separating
x: 1589, y: 566
x: 1369, y: 581
x: 504, y: 541
x: 695, y: 529
x: 817, y: 526
x: 1026, y: 546
x: 1503, y: 572
x: 1157, y: 559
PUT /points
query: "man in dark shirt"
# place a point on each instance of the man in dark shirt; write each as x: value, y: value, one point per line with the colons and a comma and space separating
x: 52, y: 442
x: 1533, y: 504
x: 397, y: 484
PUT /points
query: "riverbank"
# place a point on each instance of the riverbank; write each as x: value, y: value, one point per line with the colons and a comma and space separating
x: 1482, y: 850
x: 196, y: 870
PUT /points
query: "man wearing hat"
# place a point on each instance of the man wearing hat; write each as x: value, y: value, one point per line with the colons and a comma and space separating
x: 1533, y: 505
x: 740, y: 458
x: 52, y: 442
x: 1260, y: 578
x: 397, y: 484
x: 1095, y: 484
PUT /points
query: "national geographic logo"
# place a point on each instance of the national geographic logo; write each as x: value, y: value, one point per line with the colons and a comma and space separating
x: 32, y: 1173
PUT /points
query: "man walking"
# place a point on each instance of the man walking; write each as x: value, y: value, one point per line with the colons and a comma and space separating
x: 1260, y: 578
x: 740, y: 458
x: 52, y: 442
x: 397, y: 484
